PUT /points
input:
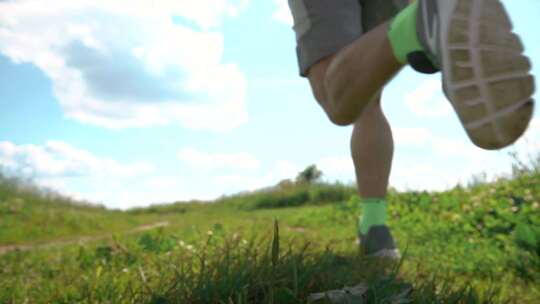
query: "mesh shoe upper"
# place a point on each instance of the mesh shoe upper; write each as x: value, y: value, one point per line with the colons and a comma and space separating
x: 378, y: 242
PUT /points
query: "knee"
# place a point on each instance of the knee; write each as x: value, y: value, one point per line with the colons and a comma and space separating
x: 341, y: 118
x: 336, y: 114
x: 346, y: 104
x: 370, y: 113
x: 334, y: 93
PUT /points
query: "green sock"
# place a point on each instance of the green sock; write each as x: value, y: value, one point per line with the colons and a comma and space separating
x: 402, y: 33
x: 373, y: 213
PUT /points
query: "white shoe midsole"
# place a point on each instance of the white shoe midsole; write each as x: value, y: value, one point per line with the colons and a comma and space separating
x: 386, y: 253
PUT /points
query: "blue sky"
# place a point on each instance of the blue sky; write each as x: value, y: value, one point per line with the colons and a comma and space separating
x: 127, y: 103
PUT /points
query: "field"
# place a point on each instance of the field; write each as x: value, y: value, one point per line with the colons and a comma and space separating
x: 473, y: 244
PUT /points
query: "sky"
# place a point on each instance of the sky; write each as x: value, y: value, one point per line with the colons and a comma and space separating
x: 130, y: 103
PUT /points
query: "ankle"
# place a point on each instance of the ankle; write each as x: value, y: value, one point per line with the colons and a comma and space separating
x: 373, y: 214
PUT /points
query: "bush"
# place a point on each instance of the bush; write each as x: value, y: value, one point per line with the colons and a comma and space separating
x: 282, y: 198
x: 299, y: 195
x: 329, y: 193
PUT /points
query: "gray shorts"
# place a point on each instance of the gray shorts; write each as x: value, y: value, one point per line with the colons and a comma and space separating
x: 323, y: 27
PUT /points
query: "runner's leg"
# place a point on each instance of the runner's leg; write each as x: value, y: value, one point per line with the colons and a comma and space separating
x: 372, y: 149
x: 348, y: 59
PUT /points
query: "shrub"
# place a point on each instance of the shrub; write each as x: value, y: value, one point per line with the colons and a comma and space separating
x: 282, y: 198
x: 298, y: 195
x: 330, y: 193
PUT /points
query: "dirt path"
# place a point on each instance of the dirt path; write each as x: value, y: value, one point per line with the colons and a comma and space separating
x: 80, y: 240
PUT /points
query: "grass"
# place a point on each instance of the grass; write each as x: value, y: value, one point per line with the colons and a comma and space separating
x: 475, y: 244
x: 29, y: 214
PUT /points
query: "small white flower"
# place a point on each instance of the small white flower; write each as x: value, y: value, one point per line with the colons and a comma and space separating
x: 210, y: 232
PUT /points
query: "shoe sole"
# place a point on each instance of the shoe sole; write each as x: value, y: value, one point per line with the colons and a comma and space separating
x: 485, y: 74
x: 392, y: 254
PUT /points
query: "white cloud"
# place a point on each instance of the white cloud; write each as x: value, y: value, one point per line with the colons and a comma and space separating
x: 451, y: 160
x: 285, y: 169
x: 458, y: 148
x: 428, y: 100
x: 420, y: 176
x: 440, y: 172
x: 206, y: 13
x: 429, y: 173
x: 82, y: 175
x: 210, y: 161
x: 121, y: 64
x: 283, y: 13
x: 448, y: 162
x: 443, y: 162
x: 56, y: 184
x: 412, y: 136
x: 197, y: 185
x: 124, y: 193
x: 276, y: 172
x: 58, y: 159
x: 337, y: 167
x: 138, y: 193
x: 240, y: 182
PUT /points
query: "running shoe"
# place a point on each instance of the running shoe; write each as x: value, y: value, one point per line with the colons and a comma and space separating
x: 379, y: 243
x: 485, y: 74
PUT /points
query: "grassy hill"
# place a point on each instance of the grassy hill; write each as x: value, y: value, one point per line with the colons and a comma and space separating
x: 475, y: 244
x: 29, y: 214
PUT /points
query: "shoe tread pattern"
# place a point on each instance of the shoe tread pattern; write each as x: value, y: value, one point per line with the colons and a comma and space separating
x: 489, y: 80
